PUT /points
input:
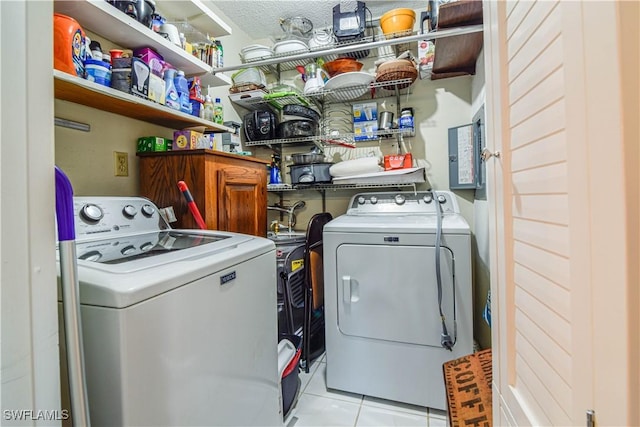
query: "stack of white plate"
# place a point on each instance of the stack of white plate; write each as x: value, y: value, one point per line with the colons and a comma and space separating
x: 255, y: 52
x: 289, y: 46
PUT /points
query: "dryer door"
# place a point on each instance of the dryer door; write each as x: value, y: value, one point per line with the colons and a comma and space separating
x: 390, y: 292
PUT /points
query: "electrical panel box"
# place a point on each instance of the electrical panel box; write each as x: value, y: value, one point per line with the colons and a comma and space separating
x: 466, y: 168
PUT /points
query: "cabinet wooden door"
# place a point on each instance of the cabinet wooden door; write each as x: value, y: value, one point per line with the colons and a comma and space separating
x: 563, y: 211
x: 229, y: 190
x: 242, y: 200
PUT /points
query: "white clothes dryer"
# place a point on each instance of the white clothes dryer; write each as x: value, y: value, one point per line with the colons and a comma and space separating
x: 384, y: 331
x: 179, y: 327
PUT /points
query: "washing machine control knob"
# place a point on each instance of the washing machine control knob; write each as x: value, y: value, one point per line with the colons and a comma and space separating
x: 92, y: 213
x: 374, y: 200
x: 427, y: 198
x: 129, y: 211
x: 128, y: 250
x: 442, y: 199
x: 361, y: 200
x: 91, y: 256
x: 148, y: 210
x: 399, y: 199
x: 146, y: 246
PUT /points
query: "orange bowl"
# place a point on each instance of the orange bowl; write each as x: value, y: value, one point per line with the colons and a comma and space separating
x: 341, y: 65
x: 398, y: 21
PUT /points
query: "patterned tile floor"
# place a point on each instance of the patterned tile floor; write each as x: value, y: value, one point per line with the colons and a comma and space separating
x: 318, y: 406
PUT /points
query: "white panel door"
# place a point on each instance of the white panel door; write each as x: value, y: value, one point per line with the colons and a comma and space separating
x: 30, y: 369
x: 558, y: 223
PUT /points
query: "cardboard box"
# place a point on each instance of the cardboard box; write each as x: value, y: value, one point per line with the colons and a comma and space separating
x: 365, y: 131
x: 216, y: 141
x: 157, y: 89
x: 365, y: 121
x: 398, y: 161
x: 139, y: 78
x: 365, y: 112
x: 426, y: 56
x: 152, y: 143
x: 153, y: 59
x: 186, y: 140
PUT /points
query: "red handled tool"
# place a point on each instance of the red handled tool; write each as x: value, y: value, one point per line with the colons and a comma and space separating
x: 192, y: 205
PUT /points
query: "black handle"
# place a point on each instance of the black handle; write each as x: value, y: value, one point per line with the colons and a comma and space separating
x: 423, y: 17
x: 431, y: 14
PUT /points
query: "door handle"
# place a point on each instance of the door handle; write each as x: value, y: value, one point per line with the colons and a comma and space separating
x: 350, y: 290
x: 487, y: 154
x: 346, y: 289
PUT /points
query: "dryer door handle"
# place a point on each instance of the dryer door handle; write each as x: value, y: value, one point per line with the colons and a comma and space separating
x: 349, y: 290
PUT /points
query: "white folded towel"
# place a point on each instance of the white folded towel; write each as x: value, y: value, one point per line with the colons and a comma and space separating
x: 355, y: 167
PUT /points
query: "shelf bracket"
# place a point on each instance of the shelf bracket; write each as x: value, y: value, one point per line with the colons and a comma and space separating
x: 323, y: 192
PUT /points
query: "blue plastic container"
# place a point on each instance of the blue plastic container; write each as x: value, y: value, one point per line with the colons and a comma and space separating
x: 195, y: 107
x: 98, y: 71
x: 182, y: 87
x: 172, y: 100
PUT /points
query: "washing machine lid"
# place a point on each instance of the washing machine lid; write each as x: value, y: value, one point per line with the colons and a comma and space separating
x: 122, y: 271
x: 133, y: 248
x: 385, y: 223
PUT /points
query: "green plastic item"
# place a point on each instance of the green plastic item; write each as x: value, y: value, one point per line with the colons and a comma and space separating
x: 280, y: 99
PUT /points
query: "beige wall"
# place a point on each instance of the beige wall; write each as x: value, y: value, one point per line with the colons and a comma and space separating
x: 87, y: 157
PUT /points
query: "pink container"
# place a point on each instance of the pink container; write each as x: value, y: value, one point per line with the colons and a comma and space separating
x: 152, y: 58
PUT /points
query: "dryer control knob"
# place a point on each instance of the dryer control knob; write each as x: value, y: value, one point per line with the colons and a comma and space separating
x: 427, y: 198
x: 442, y: 199
x: 129, y: 211
x: 399, y: 199
x: 128, y: 250
x: 361, y: 200
x: 374, y: 200
x: 148, y: 210
x: 91, y: 213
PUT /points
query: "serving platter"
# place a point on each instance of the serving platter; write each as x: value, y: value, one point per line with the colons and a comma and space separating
x: 347, y: 86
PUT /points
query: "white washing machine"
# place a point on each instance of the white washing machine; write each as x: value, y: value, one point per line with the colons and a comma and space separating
x: 384, y: 331
x: 179, y: 326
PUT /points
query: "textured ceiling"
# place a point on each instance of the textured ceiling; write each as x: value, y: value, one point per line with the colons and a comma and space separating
x: 261, y: 18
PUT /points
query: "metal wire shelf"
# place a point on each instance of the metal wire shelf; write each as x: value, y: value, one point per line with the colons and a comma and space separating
x: 253, y: 100
x: 301, y: 187
x: 289, y: 61
x: 323, y: 139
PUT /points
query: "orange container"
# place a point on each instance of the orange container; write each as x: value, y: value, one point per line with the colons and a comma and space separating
x: 398, y: 22
x: 68, y: 45
x: 398, y: 161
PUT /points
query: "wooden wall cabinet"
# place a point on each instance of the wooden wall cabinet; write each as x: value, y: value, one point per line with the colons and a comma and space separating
x: 229, y: 190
